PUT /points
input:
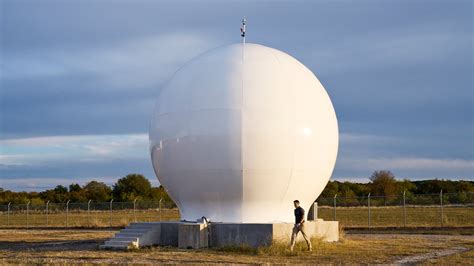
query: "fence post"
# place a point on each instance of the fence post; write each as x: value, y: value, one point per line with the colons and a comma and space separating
x: 134, y: 208
x: 46, y: 211
x: 368, y: 205
x: 313, y: 212
x: 67, y: 214
x: 441, y: 206
x: 27, y: 214
x: 159, y: 206
x: 404, y: 210
x: 89, y: 212
x: 8, y: 214
x: 110, y: 217
x: 335, y: 196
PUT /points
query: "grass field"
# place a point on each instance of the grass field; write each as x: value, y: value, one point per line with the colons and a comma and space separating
x: 426, y: 216
x: 352, y: 217
x: 80, y: 247
x: 93, y: 219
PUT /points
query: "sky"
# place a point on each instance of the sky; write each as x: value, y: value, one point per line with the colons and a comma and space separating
x: 79, y: 79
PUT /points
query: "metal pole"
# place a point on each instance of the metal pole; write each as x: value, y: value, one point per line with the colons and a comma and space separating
x: 368, y: 205
x: 8, y: 214
x: 243, y: 29
x: 67, y: 214
x: 404, y: 210
x: 110, y: 217
x: 27, y: 215
x: 315, y: 211
x: 335, y: 196
x: 89, y: 212
x: 134, y: 208
x: 161, y: 199
x: 441, y: 206
x: 47, y: 205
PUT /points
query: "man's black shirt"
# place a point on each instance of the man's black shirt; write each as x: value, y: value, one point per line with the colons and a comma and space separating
x: 299, y: 214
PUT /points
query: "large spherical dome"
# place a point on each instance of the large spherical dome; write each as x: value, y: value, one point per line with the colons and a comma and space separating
x: 240, y: 132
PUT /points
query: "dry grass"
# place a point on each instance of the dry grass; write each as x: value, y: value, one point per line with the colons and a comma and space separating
x: 464, y: 258
x: 94, y: 219
x: 392, y: 216
x: 80, y: 247
x: 27, y: 236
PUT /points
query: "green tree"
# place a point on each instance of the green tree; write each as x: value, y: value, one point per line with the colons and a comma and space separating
x: 37, y: 201
x: 330, y: 190
x: 58, y: 194
x: 406, y: 185
x: 74, y: 187
x: 77, y: 193
x: 97, y: 191
x: 60, y: 189
x: 131, y: 187
x: 383, y: 184
x: 159, y: 193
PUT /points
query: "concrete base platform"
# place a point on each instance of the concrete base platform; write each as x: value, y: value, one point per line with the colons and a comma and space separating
x: 257, y: 235
x: 203, y: 235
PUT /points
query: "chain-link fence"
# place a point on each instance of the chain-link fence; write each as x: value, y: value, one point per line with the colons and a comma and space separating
x: 404, y: 210
x: 85, y: 214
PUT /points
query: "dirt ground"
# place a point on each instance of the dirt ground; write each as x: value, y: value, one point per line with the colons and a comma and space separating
x: 81, y: 247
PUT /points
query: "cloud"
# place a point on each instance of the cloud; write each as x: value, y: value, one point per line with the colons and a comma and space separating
x: 43, y: 162
x: 135, y: 63
x: 422, y: 164
x: 408, y: 156
x: 60, y: 149
x: 91, y: 90
x: 352, y: 138
x: 388, y: 49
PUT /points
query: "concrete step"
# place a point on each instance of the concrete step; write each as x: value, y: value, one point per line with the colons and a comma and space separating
x: 125, y: 238
x: 121, y: 243
x: 120, y: 234
x: 135, y: 231
x: 130, y: 236
x: 139, y: 227
x: 122, y: 247
x: 143, y: 224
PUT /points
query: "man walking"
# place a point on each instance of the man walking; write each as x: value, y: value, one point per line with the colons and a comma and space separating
x: 299, y: 226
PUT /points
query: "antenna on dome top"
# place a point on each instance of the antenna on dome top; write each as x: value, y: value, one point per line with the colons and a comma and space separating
x: 242, y: 30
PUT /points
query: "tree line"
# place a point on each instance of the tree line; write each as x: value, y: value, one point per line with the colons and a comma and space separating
x: 128, y: 188
x: 385, y: 189
x: 383, y: 185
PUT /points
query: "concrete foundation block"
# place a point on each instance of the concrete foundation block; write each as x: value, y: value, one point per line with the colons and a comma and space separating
x: 237, y: 234
x: 169, y: 234
x: 193, y: 235
x: 326, y: 230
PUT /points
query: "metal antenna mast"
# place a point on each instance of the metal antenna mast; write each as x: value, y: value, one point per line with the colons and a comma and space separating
x: 242, y: 30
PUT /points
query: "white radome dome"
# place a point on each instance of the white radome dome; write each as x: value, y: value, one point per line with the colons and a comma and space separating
x: 240, y: 132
